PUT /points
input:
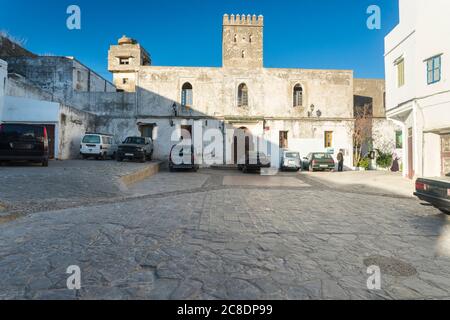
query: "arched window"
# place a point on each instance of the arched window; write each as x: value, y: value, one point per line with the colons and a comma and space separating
x: 298, y: 95
x: 243, y: 54
x: 250, y: 38
x: 186, y: 95
x: 242, y: 95
x: 235, y: 38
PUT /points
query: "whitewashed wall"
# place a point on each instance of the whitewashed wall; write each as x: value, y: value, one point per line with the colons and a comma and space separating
x: 418, y: 105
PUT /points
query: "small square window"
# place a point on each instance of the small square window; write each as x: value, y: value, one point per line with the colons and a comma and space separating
x: 125, y: 81
x: 124, y: 61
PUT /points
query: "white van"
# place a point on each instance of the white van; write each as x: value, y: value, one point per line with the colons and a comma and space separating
x: 98, y: 145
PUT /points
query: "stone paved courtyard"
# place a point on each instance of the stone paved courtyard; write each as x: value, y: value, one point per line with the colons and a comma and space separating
x: 224, y: 235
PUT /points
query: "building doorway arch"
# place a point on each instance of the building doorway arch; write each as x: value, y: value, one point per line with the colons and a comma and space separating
x: 242, y: 143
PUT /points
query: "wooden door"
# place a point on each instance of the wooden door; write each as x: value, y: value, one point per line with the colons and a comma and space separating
x: 283, y: 140
x: 51, y: 140
x: 410, y: 154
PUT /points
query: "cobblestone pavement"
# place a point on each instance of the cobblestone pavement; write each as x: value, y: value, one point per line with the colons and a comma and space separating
x: 196, y: 238
x: 28, y: 188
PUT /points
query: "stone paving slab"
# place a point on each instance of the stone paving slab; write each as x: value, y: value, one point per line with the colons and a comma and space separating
x: 266, y: 181
x: 381, y: 182
x: 228, y: 244
x: 27, y: 188
x: 165, y: 182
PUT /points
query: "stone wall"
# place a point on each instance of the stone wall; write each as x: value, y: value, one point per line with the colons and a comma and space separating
x: 19, y: 86
x: 270, y: 91
x: 371, y: 91
x: 60, y: 76
x: 242, y: 41
x: 73, y: 124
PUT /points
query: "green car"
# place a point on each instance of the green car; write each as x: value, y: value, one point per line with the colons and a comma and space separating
x: 318, y: 161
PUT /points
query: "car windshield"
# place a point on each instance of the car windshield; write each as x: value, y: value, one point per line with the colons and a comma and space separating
x: 292, y: 155
x: 21, y: 131
x: 134, y: 140
x: 320, y: 156
x: 91, y: 139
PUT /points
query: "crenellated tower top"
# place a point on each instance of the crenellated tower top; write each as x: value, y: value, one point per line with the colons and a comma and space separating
x: 249, y: 20
x: 242, y: 41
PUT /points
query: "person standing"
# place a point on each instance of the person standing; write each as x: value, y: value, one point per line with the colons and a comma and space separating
x: 395, y: 165
x: 340, y: 159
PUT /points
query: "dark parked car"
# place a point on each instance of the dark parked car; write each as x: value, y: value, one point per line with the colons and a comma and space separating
x: 318, y: 161
x: 186, y: 161
x: 24, y: 142
x: 135, y: 148
x: 253, y: 161
x: 435, y: 191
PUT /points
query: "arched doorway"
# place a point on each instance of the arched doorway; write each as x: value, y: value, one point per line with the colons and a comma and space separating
x: 242, y: 143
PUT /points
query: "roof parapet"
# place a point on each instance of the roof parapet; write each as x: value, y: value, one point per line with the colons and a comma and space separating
x: 249, y: 20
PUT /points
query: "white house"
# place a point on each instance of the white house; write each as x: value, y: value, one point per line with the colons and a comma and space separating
x: 65, y: 125
x: 417, y: 62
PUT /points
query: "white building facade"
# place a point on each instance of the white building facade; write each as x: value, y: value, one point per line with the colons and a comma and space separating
x: 417, y: 62
x: 23, y: 102
x: 3, y: 78
x: 302, y: 110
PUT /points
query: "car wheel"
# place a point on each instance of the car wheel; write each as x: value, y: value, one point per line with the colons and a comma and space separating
x: 311, y: 169
x: 45, y: 163
x: 244, y: 169
x: 171, y: 169
x: 114, y: 155
x: 119, y: 159
x: 144, y: 158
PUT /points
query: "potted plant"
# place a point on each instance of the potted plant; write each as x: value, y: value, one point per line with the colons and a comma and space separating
x: 364, y: 164
x: 384, y: 160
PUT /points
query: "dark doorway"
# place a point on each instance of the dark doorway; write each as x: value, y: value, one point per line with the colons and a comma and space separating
x: 241, y: 133
x: 51, y: 140
x: 147, y: 130
x: 187, y: 128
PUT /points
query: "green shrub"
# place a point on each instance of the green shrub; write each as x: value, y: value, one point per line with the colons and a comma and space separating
x: 364, y: 163
x: 384, y: 159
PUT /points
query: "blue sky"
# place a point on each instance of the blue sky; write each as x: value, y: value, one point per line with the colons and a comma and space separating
x: 329, y: 34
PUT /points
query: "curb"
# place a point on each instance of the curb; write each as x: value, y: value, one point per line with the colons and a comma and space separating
x: 141, y: 174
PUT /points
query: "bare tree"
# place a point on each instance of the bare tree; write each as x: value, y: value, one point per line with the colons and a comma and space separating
x: 362, y: 134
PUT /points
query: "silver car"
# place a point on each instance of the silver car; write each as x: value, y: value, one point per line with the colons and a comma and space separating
x: 290, y: 160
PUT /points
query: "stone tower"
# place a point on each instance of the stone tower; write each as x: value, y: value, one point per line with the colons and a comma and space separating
x: 242, y: 41
x: 124, y: 60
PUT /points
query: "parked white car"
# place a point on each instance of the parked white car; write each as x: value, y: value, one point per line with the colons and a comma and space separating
x: 98, y: 145
x: 290, y: 160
